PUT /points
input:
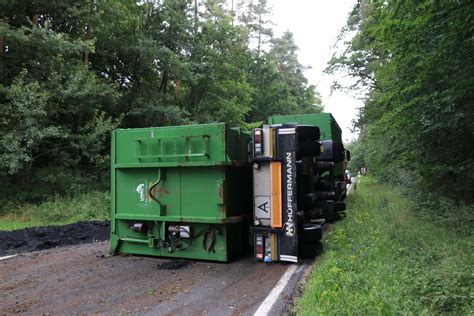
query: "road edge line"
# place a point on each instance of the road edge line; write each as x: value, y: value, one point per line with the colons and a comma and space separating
x: 7, y: 257
x: 272, y: 297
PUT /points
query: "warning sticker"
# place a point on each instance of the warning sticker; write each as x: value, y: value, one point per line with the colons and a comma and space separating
x: 262, y: 207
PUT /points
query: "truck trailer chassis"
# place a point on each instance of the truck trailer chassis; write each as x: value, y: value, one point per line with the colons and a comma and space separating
x: 186, y: 191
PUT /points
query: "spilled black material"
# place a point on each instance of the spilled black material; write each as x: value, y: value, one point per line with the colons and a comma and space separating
x: 40, y: 238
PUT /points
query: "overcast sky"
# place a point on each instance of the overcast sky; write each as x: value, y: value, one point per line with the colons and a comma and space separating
x: 315, y: 25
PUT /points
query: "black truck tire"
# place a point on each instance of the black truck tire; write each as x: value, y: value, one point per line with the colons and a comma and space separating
x: 328, y: 215
x: 311, y: 233
x: 309, y: 251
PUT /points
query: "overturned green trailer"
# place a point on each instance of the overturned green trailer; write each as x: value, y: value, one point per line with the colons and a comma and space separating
x: 182, y: 191
x: 299, y: 185
x: 328, y: 183
x: 331, y: 140
x: 200, y: 191
x: 328, y: 127
x: 283, y: 228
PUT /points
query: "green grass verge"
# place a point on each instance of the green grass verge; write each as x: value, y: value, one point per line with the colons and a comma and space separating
x: 384, y: 259
x: 93, y: 205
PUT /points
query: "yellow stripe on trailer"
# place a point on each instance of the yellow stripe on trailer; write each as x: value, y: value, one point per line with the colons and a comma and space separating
x: 275, y: 194
x: 273, y: 247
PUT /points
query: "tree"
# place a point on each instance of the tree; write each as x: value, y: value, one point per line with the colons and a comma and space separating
x: 72, y: 71
x: 49, y: 100
x: 255, y: 17
x: 416, y: 60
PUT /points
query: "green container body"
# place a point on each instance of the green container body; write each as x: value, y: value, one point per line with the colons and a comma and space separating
x: 329, y: 129
x: 200, y: 178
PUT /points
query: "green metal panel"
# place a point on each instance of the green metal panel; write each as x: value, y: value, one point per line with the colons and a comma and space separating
x: 199, y: 177
x: 328, y: 127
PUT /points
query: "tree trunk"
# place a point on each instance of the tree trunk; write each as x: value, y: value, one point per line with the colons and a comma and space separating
x: 164, y: 82
x: 89, y: 31
x: 32, y: 13
x: 232, y: 13
x: 176, y: 90
x: 195, y: 16
x: 34, y: 19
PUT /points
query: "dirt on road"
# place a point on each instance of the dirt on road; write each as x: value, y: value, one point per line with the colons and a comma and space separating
x: 40, y: 238
x: 83, y: 279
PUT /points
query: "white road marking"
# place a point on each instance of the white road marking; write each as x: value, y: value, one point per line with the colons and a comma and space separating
x: 272, y: 297
x: 7, y: 257
x: 270, y: 300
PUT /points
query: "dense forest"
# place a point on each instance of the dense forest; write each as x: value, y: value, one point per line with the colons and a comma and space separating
x: 414, y: 61
x: 72, y: 71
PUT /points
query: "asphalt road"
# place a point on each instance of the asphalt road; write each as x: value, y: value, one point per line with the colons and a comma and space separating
x: 85, y: 280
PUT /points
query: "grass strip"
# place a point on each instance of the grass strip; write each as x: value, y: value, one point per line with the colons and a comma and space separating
x: 94, y: 205
x: 384, y: 259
